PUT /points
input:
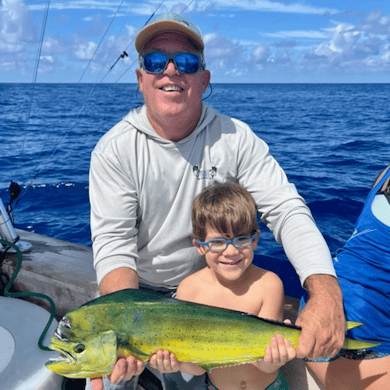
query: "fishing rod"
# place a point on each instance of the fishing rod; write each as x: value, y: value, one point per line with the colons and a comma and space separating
x: 123, y: 55
x: 104, y: 35
x: 14, y: 188
x: 36, y: 67
x: 131, y: 65
x: 41, y: 166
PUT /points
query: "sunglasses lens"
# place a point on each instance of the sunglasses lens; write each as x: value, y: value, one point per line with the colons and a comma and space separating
x: 155, y: 62
x: 187, y: 63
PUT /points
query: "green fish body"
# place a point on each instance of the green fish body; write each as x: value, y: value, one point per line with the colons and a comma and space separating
x: 134, y: 322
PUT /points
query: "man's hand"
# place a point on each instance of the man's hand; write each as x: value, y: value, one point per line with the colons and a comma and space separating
x: 124, y: 369
x: 322, y: 320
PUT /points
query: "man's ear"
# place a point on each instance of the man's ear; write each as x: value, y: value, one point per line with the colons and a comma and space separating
x: 138, y: 73
x: 206, y: 76
x: 200, y: 248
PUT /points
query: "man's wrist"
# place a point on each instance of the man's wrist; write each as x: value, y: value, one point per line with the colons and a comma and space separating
x: 322, y: 283
x: 119, y: 279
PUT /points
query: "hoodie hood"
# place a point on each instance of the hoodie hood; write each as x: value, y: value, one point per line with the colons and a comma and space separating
x: 138, y: 118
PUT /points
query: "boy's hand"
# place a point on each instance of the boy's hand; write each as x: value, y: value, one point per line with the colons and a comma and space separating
x: 277, y: 354
x: 164, y: 361
x: 124, y: 369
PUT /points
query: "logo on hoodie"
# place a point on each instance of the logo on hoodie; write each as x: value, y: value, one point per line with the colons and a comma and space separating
x: 203, y: 175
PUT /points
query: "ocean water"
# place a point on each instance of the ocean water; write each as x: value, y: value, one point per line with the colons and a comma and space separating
x: 331, y: 139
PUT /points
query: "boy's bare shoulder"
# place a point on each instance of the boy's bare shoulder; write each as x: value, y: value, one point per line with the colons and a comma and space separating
x: 265, y: 279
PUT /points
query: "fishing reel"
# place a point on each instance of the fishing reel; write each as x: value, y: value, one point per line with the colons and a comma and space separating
x: 7, y: 230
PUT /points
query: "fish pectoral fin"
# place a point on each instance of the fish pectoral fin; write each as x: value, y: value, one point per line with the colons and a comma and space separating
x: 126, y: 349
x: 353, y: 325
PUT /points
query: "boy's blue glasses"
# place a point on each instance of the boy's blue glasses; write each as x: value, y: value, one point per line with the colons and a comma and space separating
x: 157, y: 62
x: 220, y: 244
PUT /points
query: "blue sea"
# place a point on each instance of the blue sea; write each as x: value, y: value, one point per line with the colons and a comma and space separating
x: 331, y: 139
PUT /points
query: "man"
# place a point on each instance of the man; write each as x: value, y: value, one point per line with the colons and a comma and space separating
x: 147, y: 170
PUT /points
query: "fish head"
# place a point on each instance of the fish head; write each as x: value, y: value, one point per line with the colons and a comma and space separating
x: 85, y: 357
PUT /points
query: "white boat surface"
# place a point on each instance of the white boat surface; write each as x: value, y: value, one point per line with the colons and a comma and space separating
x: 21, y: 360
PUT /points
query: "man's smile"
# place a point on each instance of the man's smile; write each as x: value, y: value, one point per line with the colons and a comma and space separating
x: 171, y: 88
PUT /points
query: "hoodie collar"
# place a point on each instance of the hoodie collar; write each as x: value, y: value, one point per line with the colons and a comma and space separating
x: 138, y: 118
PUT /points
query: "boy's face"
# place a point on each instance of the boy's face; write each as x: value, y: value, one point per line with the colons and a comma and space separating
x: 230, y: 264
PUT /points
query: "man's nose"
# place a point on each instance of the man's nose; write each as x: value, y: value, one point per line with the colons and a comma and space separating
x: 171, y: 67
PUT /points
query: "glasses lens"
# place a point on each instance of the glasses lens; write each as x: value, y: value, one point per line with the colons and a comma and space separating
x: 187, y: 63
x: 155, y: 62
x: 241, y: 241
x: 217, y: 245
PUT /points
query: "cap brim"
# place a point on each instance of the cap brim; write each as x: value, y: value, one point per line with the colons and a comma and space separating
x: 147, y: 33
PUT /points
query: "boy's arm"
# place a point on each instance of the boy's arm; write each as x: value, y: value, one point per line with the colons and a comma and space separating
x: 280, y: 350
x: 273, y: 297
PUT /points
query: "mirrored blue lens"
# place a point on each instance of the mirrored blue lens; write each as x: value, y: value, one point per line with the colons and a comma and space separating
x: 155, y: 62
x: 185, y: 62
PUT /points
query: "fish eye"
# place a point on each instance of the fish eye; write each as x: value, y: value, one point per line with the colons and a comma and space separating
x: 79, y: 348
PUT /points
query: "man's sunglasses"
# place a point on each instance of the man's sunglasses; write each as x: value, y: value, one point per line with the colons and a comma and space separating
x: 157, y: 62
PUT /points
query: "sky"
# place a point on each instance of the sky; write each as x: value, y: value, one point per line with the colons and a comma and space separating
x: 247, y: 41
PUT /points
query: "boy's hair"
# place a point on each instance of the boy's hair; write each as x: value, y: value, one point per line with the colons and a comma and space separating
x: 228, y: 208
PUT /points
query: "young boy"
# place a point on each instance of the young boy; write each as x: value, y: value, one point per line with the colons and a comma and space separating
x: 225, y: 231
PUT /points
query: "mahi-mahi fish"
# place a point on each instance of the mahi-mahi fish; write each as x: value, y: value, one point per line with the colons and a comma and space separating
x: 134, y: 322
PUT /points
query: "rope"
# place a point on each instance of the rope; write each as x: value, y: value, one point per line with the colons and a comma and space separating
x: 7, y: 293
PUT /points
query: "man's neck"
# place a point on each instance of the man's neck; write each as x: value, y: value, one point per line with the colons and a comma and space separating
x: 175, y: 128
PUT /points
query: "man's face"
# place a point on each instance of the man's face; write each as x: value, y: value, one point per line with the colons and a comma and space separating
x: 171, y: 94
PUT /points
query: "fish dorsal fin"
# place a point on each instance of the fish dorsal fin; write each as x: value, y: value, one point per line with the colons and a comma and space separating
x: 353, y: 325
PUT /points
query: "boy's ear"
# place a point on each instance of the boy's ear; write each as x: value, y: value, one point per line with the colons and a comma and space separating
x: 256, y: 240
x: 200, y: 248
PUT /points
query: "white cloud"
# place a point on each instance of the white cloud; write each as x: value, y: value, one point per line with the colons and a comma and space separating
x: 16, y: 30
x: 375, y: 23
x: 343, y: 48
x: 260, y: 54
x: 352, y: 48
x: 268, y: 6
x: 46, y: 64
x: 310, y: 34
x: 147, y: 7
x: 53, y: 45
x: 85, y: 51
x: 127, y: 7
x: 224, y: 55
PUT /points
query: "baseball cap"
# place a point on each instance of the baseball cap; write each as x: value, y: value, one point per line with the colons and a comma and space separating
x: 169, y: 22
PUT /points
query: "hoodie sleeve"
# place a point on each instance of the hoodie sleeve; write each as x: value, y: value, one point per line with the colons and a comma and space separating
x: 281, y: 208
x: 113, y: 214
